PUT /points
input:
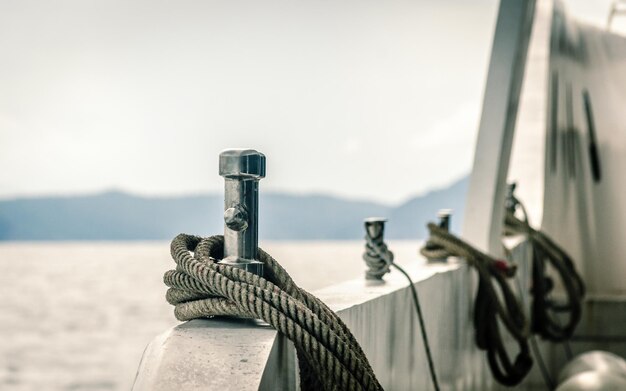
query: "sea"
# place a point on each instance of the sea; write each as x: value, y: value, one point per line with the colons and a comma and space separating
x: 77, y: 316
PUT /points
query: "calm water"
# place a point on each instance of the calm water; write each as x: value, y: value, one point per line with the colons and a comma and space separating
x: 77, y: 316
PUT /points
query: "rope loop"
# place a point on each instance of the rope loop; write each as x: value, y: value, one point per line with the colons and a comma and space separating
x: 488, y: 308
x: 546, y: 311
x: 329, y: 356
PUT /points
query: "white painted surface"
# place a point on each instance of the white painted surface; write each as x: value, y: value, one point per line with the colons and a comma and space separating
x: 588, y: 218
x: 527, y: 164
x: 484, y: 213
x: 197, y: 356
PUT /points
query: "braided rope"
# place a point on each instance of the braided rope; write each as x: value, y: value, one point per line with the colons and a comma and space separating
x: 488, y: 306
x: 329, y: 356
x: 377, y: 257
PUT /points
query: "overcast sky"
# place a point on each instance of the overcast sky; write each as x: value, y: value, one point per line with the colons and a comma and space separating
x: 358, y: 98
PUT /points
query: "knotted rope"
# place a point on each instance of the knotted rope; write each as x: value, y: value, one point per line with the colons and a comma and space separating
x: 377, y: 257
x: 488, y: 307
x: 329, y: 356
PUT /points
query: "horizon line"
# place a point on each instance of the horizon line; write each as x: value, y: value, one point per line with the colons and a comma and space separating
x: 191, y: 194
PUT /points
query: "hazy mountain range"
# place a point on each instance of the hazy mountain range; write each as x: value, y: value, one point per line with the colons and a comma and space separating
x: 120, y: 216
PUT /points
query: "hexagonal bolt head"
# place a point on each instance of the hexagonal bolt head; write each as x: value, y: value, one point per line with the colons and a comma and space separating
x: 242, y: 163
x: 375, y: 226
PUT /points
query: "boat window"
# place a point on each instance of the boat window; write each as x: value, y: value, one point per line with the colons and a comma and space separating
x: 554, y: 112
x: 570, y: 135
x: 594, y: 158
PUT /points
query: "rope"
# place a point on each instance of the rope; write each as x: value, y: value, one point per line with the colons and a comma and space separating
x: 534, y: 347
x: 488, y: 307
x: 545, y: 251
x: 378, y: 259
x: 329, y: 356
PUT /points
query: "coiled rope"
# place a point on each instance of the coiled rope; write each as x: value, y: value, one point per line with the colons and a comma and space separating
x: 488, y: 307
x: 329, y: 356
x: 378, y: 259
x: 546, y: 251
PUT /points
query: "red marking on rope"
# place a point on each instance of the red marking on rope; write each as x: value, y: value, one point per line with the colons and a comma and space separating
x: 501, y: 266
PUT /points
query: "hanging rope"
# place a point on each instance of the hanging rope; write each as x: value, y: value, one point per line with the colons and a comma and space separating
x: 546, y: 252
x: 488, y: 307
x: 378, y: 259
x: 329, y: 356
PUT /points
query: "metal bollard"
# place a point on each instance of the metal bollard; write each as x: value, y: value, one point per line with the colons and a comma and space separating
x: 444, y: 218
x: 444, y: 222
x: 510, y: 202
x: 375, y: 228
x: 242, y: 169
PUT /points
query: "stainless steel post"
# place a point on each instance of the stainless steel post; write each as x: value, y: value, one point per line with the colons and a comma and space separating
x: 444, y: 222
x: 444, y: 218
x: 510, y: 201
x: 242, y: 169
x: 375, y: 228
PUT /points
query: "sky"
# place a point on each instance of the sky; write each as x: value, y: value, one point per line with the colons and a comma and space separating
x: 364, y: 99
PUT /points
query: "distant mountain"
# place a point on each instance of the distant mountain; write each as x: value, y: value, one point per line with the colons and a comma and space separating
x: 409, y: 220
x: 120, y: 216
